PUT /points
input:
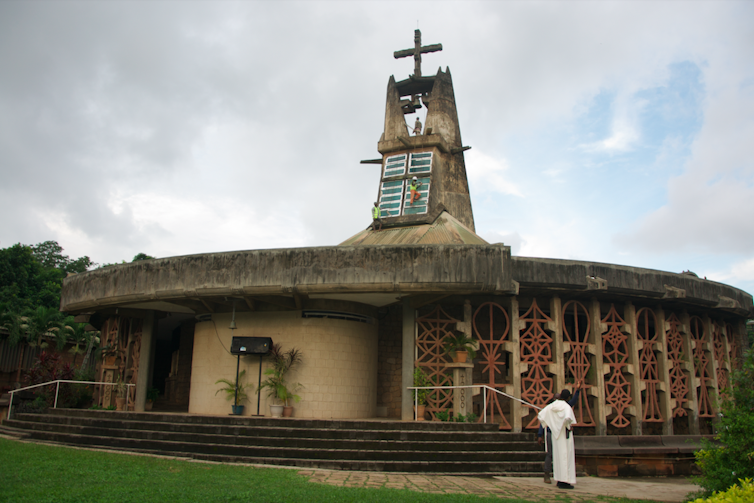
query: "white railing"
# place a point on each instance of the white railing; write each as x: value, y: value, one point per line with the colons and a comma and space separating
x: 57, y: 390
x: 484, y: 394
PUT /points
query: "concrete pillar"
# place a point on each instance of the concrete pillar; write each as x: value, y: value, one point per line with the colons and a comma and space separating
x: 517, y: 368
x: 559, y: 347
x: 714, y: 386
x: 600, y: 409
x: 461, y: 396
x: 148, y: 334
x: 632, y: 371
x: 663, y: 371
x: 409, y: 356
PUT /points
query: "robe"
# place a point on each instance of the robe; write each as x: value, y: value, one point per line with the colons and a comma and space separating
x: 558, y: 416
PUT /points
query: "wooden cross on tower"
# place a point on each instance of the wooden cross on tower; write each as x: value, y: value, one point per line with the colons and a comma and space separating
x: 417, y: 51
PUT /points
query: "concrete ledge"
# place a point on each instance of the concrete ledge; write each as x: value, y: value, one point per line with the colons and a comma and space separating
x: 599, y: 446
x: 685, y: 444
x: 646, y: 444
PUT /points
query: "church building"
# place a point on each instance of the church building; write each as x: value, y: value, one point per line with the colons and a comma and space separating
x: 651, y: 350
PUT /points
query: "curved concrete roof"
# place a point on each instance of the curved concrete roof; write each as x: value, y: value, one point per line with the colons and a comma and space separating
x: 193, y: 281
x: 375, y: 275
x: 575, y: 276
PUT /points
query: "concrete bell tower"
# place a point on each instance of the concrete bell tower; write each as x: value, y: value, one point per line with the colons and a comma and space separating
x: 433, y: 153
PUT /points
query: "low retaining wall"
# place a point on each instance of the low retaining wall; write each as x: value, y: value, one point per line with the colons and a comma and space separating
x: 638, y: 456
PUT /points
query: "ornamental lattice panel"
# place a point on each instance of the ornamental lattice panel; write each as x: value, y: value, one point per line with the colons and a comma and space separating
x: 732, y: 346
x: 431, y: 358
x: 615, y: 354
x: 576, y: 329
x: 491, y: 325
x: 679, y: 381
x: 701, y: 365
x: 536, y: 352
x: 718, y: 343
x: 646, y: 334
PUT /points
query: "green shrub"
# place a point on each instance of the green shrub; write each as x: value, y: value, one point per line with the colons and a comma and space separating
x: 443, y: 415
x: 471, y: 418
x: 36, y: 406
x: 743, y: 493
x: 723, y: 465
x: 421, y: 380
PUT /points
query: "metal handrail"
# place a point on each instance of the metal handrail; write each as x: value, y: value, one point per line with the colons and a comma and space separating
x: 484, y: 388
x: 57, y: 390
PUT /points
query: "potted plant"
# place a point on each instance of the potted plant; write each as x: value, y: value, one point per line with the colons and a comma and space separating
x: 278, y: 388
x: 459, y: 346
x: 152, y: 394
x: 420, y: 395
x: 121, y: 394
x: 230, y: 392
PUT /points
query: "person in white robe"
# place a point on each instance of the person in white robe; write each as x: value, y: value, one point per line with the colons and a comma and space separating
x: 559, y: 417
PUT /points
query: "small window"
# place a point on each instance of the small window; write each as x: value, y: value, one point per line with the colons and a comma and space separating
x: 421, y: 162
x: 395, y: 165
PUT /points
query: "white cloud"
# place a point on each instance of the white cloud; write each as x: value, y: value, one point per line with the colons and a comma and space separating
x: 144, y: 127
x: 489, y: 174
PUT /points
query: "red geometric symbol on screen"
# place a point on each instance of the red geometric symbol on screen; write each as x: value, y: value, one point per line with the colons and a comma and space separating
x: 646, y: 334
x: 491, y: 326
x: 578, y: 361
x: 615, y: 353
x: 431, y: 357
x: 701, y: 365
x: 679, y: 387
x: 718, y: 341
x: 536, y: 352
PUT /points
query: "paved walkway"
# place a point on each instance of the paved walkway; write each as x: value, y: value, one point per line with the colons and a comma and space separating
x: 530, y: 489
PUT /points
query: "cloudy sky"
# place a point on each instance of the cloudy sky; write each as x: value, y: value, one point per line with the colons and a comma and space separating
x: 617, y: 132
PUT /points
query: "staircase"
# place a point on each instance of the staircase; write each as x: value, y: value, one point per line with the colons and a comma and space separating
x: 393, y: 446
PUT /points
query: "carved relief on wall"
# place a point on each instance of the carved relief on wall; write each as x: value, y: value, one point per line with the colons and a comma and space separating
x: 679, y: 386
x: 133, y: 353
x: 615, y: 354
x: 110, y: 339
x: 120, y: 355
x: 536, y: 352
x: 646, y: 335
x: 718, y: 344
x: 576, y: 329
x: 701, y: 365
x: 491, y: 325
x: 433, y: 328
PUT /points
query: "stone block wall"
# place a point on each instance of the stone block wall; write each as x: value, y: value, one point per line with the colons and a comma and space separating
x: 389, y: 360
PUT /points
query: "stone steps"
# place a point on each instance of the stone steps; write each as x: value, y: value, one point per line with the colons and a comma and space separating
x: 352, y: 445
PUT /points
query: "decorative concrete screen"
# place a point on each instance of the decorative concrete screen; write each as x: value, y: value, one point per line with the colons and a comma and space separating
x: 395, y: 166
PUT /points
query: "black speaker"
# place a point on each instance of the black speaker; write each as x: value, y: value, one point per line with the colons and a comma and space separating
x: 250, y: 345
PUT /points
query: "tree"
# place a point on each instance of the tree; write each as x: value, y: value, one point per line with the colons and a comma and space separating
x: 24, y: 283
x: 723, y: 465
x: 32, y: 276
x: 50, y: 255
x: 82, y: 340
x: 142, y: 256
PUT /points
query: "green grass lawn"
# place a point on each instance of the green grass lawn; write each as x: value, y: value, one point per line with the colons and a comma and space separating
x: 43, y: 473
